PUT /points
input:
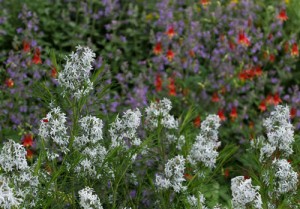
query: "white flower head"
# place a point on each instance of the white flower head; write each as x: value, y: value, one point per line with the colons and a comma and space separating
x: 286, y: 179
x: 13, y: 157
x: 8, y: 198
x: 244, y: 193
x: 204, y: 148
x: 126, y: 128
x: 53, y: 130
x: 89, y: 200
x: 160, y: 110
x: 75, y: 76
x: 280, y: 133
x: 174, y: 173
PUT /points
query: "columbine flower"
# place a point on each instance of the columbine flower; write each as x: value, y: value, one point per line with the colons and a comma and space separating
x: 204, y: 148
x: 221, y: 115
x: 170, y: 55
x: 9, y: 82
x: 262, y: 106
x: 170, y: 32
x: 53, y: 72
x: 286, y: 179
x: 26, y: 46
x: 172, y: 87
x: 233, y: 113
x: 158, y: 83
x: 37, y: 57
x: 12, y: 157
x: 197, y: 121
x: 293, y: 112
x: 243, y: 39
x: 280, y: 133
x: 282, y: 15
x: 75, y: 76
x: 157, y: 49
x: 89, y: 200
x: 205, y: 3
x: 160, y: 110
x: 174, y: 173
x: 27, y: 140
x: 215, y: 97
x: 244, y: 193
x: 295, y: 50
x: 126, y: 128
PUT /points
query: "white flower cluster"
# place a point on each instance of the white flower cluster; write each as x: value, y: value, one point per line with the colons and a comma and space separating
x: 244, y: 193
x: 280, y: 133
x: 285, y: 178
x: 91, y: 131
x: 88, y: 200
x: 93, y: 154
x: 13, y: 157
x: 174, y: 173
x: 126, y: 129
x: 204, y: 148
x: 16, y: 173
x: 7, y: 196
x: 53, y: 129
x: 75, y: 76
x: 160, y: 110
x: 196, y: 202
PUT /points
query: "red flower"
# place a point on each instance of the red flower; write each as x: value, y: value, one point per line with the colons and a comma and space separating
x: 157, y: 49
x: 36, y: 57
x: 231, y: 45
x: 172, y: 87
x: 192, y: 53
x: 197, y: 121
x: 221, y: 115
x: 262, y: 106
x: 246, y: 177
x: 269, y: 99
x: 205, y: 2
x: 215, y: 97
x: 170, y: 55
x: 295, y: 51
x: 276, y: 99
x: 282, y: 15
x: 243, y: 39
x: 272, y: 58
x: 9, y: 82
x: 293, y: 112
x: 170, y: 32
x: 188, y: 176
x: 53, y: 72
x: 258, y: 71
x: 233, y: 114
x: 26, y: 46
x: 45, y: 120
x: 226, y: 172
x: 158, y: 83
x: 27, y: 140
x: 29, y: 154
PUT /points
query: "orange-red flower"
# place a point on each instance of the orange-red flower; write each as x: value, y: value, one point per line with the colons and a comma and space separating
x: 192, y: 53
x: 262, y: 106
x: 157, y: 49
x: 243, y: 39
x: 282, y: 15
x: 295, y: 50
x: 231, y: 45
x: 158, y: 83
x: 197, y: 121
x: 53, y: 72
x: 29, y: 154
x: 221, y: 115
x: 272, y: 58
x: 36, y: 57
x: 45, y: 120
x: 27, y: 140
x: 293, y: 112
x: 205, y: 2
x: 9, y: 82
x: 276, y: 99
x: 258, y: 71
x: 170, y: 32
x: 170, y: 55
x: 215, y: 97
x: 233, y: 113
x: 172, y: 87
x: 26, y: 46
